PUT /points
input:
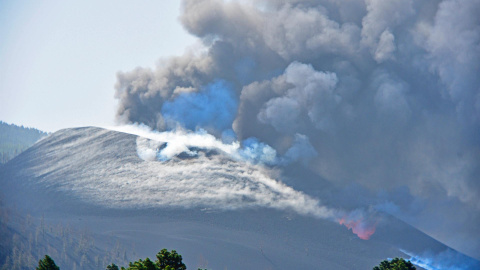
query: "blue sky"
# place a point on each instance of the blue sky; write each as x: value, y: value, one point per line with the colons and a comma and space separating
x: 58, y: 59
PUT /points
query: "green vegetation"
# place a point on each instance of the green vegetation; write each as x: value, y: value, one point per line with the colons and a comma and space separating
x: 395, y: 264
x: 166, y: 260
x: 47, y: 264
x: 112, y: 267
x: 16, y: 139
x: 171, y: 260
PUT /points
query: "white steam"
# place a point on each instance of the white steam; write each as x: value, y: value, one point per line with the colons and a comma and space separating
x: 163, y: 146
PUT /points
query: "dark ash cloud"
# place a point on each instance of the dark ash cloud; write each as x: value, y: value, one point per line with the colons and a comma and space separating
x: 380, y: 94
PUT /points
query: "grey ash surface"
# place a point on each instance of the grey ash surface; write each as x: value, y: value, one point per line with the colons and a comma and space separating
x: 92, y: 178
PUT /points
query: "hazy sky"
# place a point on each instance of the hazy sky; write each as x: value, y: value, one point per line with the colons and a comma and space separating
x: 58, y: 59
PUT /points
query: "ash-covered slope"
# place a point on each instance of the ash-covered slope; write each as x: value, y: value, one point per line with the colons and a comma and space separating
x: 216, y: 210
x: 103, y: 168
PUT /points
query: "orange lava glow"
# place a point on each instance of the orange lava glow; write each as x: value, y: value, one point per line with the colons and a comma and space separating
x: 364, y: 230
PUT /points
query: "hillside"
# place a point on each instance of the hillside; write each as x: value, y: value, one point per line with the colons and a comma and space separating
x: 217, y: 211
x: 15, y: 139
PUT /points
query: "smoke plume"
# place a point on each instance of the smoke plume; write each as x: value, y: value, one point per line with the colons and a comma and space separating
x: 384, y: 95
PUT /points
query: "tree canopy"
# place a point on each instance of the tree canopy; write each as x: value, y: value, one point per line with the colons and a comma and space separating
x: 170, y: 259
x: 47, y: 264
x: 395, y: 264
x: 112, y: 267
x: 166, y: 260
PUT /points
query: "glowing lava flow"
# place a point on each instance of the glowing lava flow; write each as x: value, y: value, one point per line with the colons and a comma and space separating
x: 363, y: 229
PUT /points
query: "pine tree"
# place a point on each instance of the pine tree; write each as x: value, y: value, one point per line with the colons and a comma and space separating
x: 47, y: 264
x: 112, y: 267
x: 170, y: 259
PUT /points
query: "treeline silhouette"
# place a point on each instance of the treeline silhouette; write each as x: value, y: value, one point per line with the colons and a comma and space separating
x: 165, y: 260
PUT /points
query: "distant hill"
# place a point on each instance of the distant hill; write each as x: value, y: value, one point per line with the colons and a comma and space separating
x: 16, y: 139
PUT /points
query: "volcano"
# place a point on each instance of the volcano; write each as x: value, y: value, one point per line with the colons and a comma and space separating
x: 215, y: 209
